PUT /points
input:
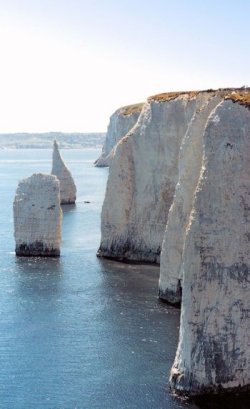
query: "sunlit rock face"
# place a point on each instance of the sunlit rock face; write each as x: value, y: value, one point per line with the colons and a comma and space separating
x: 213, y: 352
x: 37, y: 216
x: 190, y: 162
x: 189, y: 152
x: 142, y: 180
x: 67, y: 184
x: 120, y: 123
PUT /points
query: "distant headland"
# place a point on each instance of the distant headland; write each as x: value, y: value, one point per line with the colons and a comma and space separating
x: 73, y: 140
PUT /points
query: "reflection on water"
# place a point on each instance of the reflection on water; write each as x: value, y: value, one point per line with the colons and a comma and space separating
x: 77, y: 331
x: 93, y: 338
x: 38, y: 276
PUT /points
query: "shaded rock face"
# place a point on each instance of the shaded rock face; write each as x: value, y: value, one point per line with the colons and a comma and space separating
x: 190, y: 162
x: 213, y: 352
x: 120, y: 123
x: 38, y: 216
x: 142, y: 180
x: 67, y: 184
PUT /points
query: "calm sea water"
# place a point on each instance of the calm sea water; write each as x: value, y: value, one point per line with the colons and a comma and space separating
x: 79, y: 332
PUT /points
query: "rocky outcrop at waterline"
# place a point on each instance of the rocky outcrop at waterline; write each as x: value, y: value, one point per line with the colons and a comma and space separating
x: 120, y: 123
x: 37, y: 216
x: 67, y: 184
x: 213, y: 352
x: 179, y: 185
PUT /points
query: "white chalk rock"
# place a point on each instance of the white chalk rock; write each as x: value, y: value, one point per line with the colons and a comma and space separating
x: 214, y: 346
x: 120, y: 123
x: 67, y: 184
x: 38, y: 216
x: 142, y: 180
x: 190, y: 161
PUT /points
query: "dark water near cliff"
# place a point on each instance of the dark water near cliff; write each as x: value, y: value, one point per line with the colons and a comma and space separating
x: 79, y: 332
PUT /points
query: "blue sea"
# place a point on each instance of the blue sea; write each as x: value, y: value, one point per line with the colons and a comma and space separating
x: 79, y: 332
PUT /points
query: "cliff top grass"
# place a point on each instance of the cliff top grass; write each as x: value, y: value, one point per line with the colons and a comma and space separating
x: 240, y: 95
x: 168, y: 96
x: 130, y: 109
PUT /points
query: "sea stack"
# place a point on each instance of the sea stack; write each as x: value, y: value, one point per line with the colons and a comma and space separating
x: 122, y: 120
x: 67, y: 184
x: 213, y: 353
x: 38, y: 216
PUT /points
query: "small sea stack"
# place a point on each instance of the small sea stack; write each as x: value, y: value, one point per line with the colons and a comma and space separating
x: 38, y: 216
x: 67, y: 184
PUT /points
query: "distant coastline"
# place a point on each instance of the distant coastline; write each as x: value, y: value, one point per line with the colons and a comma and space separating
x: 44, y: 140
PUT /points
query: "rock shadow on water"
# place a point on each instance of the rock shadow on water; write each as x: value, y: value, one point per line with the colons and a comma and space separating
x: 132, y: 278
x: 67, y: 208
x: 133, y: 291
x: 132, y: 307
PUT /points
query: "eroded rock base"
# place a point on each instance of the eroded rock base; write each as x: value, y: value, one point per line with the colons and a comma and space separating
x: 36, y: 249
x: 128, y: 255
x: 172, y: 297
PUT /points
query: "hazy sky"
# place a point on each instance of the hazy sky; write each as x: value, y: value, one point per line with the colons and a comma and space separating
x: 66, y: 65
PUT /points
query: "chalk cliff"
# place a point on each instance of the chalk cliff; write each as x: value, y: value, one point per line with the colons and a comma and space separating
x: 142, y: 179
x: 120, y: 123
x: 190, y: 162
x: 37, y: 216
x: 190, y: 166
x: 182, y: 176
x: 67, y: 184
x: 213, y: 352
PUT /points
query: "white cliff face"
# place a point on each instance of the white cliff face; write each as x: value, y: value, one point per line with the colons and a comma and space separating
x: 67, y: 184
x: 120, y: 123
x: 191, y: 151
x: 190, y: 161
x: 214, y: 348
x: 142, y: 180
x: 38, y: 216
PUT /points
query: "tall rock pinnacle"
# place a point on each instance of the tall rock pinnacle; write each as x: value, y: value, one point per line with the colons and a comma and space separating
x: 67, y: 184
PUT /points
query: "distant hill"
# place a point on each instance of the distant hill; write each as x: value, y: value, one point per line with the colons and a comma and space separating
x: 45, y: 140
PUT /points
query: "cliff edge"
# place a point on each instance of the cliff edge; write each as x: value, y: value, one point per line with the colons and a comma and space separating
x: 121, y: 121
